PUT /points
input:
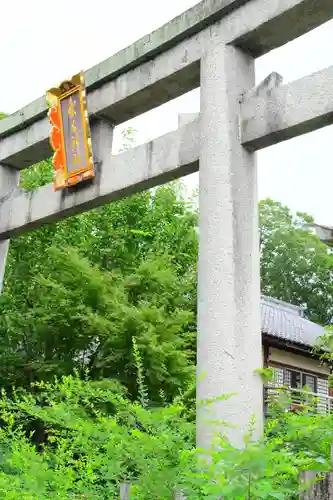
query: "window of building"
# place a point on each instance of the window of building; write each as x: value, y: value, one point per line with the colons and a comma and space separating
x: 296, y: 379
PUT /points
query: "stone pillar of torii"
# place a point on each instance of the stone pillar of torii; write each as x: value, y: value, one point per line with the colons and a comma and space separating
x: 214, y: 46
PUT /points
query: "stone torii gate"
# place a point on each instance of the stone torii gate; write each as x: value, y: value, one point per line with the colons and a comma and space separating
x: 214, y: 46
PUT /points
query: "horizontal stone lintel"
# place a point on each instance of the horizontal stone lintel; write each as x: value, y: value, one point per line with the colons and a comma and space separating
x: 288, y: 111
x: 161, y: 160
x: 151, y: 84
x: 145, y: 49
x: 165, y: 64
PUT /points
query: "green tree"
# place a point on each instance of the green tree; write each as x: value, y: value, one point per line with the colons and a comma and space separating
x: 148, y: 245
x: 78, y: 291
x: 295, y: 265
x: 73, y: 315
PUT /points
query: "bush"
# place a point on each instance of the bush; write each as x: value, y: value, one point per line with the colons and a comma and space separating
x: 79, y: 439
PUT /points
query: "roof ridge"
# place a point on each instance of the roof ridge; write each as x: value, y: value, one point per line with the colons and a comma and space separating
x: 283, y: 322
x: 283, y: 304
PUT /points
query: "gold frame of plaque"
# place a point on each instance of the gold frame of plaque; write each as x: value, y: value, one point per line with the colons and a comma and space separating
x: 70, y: 136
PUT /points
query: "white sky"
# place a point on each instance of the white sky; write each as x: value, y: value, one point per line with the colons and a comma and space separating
x: 298, y: 172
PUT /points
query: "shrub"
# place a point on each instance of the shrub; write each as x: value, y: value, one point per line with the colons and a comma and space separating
x: 79, y: 439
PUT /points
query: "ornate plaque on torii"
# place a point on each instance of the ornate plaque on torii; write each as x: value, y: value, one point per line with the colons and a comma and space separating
x: 70, y: 136
x: 212, y: 46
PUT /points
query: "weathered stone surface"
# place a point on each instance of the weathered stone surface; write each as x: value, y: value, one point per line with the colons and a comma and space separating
x: 319, y: 490
x: 264, y: 89
x: 186, y: 118
x: 190, y: 22
x: 263, y: 25
x: 288, y: 111
x: 220, y: 42
x: 9, y: 179
x: 166, y: 77
x: 165, y: 64
x: 161, y: 160
x: 229, y: 337
x: 125, y: 491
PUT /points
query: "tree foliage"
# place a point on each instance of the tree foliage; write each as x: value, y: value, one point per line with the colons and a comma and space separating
x: 78, y: 292
x: 295, y: 265
x: 74, y: 315
x: 88, y: 438
x: 112, y: 293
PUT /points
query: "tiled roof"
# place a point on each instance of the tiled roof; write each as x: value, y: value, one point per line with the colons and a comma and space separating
x: 325, y: 233
x: 285, y: 321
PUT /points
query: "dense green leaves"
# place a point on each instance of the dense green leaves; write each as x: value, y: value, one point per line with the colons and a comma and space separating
x: 78, y: 439
x: 112, y: 293
x: 87, y: 439
x: 77, y: 292
x: 295, y: 265
x: 75, y: 315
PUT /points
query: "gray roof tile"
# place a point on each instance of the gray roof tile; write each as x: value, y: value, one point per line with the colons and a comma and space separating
x: 286, y: 322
